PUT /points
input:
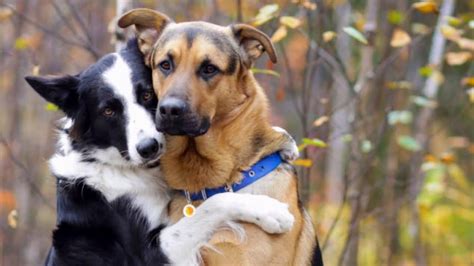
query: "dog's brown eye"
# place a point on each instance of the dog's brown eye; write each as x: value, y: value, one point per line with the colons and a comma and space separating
x: 146, y: 96
x: 209, y: 69
x: 165, y: 65
x: 108, y: 112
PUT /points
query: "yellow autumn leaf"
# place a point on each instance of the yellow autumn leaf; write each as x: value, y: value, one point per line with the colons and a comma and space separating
x: 430, y: 158
x: 400, y: 38
x: 306, y: 4
x: 458, y: 142
x: 457, y: 58
x: 465, y: 43
x: 359, y: 21
x: 419, y: 28
x: 448, y: 158
x: 5, y: 13
x: 470, y: 93
x: 451, y: 33
x: 13, y: 219
x: 35, y: 70
x: 303, y: 162
x: 329, y: 36
x: 290, y: 22
x: 438, y: 77
x: 426, y: 7
x: 309, y: 5
x: 468, y: 81
x: 302, y: 146
x: 265, y: 14
x: 404, y: 85
x: 279, y: 34
x: 21, y: 43
x: 320, y: 121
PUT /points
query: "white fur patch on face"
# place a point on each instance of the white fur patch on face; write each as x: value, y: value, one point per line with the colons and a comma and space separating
x: 140, y: 124
x: 143, y: 185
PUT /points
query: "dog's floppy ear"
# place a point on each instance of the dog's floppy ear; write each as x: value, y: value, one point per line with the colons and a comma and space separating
x: 253, y: 42
x: 149, y: 25
x: 61, y: 91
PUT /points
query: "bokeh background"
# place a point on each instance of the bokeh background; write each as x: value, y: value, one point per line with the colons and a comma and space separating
x: 379, y: 93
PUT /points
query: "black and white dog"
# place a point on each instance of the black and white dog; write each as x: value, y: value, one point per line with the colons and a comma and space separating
x: 111, y: 201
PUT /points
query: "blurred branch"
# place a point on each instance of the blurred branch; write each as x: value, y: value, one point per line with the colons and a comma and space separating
x: 65, y: 20
x: 28, y: 176
x: 290, y: 80
x: 239, y: 11
x: 80, y: 20
x: 430, y: 91
x: 88, y: 47
x: 120, y: 35
x: 338, y: 214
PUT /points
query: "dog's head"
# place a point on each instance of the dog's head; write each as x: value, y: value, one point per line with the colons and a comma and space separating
x: 111, y: 105
x: 200, y: 70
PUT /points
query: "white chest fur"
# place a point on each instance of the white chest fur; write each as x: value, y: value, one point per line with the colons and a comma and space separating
x: 144, y: 187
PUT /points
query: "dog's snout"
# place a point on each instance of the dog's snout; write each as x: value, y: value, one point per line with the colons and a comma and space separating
x: 172, y: 107
x: 148, y: 148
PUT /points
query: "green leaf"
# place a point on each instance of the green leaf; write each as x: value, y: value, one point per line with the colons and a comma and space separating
x: 408, y: 143
x: 454, y: 21
x: 51, y: 107
x: 432, y: 189
x: 423, y: 102
x: 355, y: 34
x: 471, y: 24
x: 265, y: 71
x: 315, y: 142
x: 347, y: 138
x: 402, y: 117
x: 265, y: 14
x: 366, y: 146
x: 395, y: 17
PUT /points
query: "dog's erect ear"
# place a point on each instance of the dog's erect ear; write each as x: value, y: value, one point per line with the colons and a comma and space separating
x: 253, y: 42
x: 149, y: 25
x: 61, y: 91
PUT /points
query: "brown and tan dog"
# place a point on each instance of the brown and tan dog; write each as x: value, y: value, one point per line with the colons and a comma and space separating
x: 216, y: 117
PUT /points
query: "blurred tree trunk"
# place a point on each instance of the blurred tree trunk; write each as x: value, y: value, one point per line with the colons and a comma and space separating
x: 422, y: 123
x: 342, y: 110
x: 363, y: 87
x: 22, y: 193
x: 120, y: 34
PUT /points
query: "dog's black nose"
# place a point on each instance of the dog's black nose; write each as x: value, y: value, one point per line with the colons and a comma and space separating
x: 172, y: 107
x: 148, y: 148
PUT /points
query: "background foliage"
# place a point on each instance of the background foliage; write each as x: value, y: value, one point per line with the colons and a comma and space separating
x: 379, y: 93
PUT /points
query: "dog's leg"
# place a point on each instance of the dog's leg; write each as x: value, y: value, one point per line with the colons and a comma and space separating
x: 181, y: 242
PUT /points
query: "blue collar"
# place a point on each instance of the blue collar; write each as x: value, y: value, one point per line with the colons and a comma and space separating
x: 257, y: 171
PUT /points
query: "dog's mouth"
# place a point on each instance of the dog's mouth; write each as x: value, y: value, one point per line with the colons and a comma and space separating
x: 191, y: 126
x: 153, y: 163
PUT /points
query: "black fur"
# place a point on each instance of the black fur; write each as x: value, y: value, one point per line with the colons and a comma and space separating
x: 92, y: 231
x: 317, y: 259
x: 85, y: 96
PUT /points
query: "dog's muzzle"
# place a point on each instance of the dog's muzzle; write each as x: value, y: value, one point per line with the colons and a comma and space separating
x: 174, y: 117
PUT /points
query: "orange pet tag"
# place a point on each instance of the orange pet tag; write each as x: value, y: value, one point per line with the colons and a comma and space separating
x: 189, y: 210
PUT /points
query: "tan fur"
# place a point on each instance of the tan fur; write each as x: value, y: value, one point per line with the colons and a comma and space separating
x: 239, y: 136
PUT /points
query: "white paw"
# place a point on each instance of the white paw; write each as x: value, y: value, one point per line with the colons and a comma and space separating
x: 289, y: 151
x: 270, y: 214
